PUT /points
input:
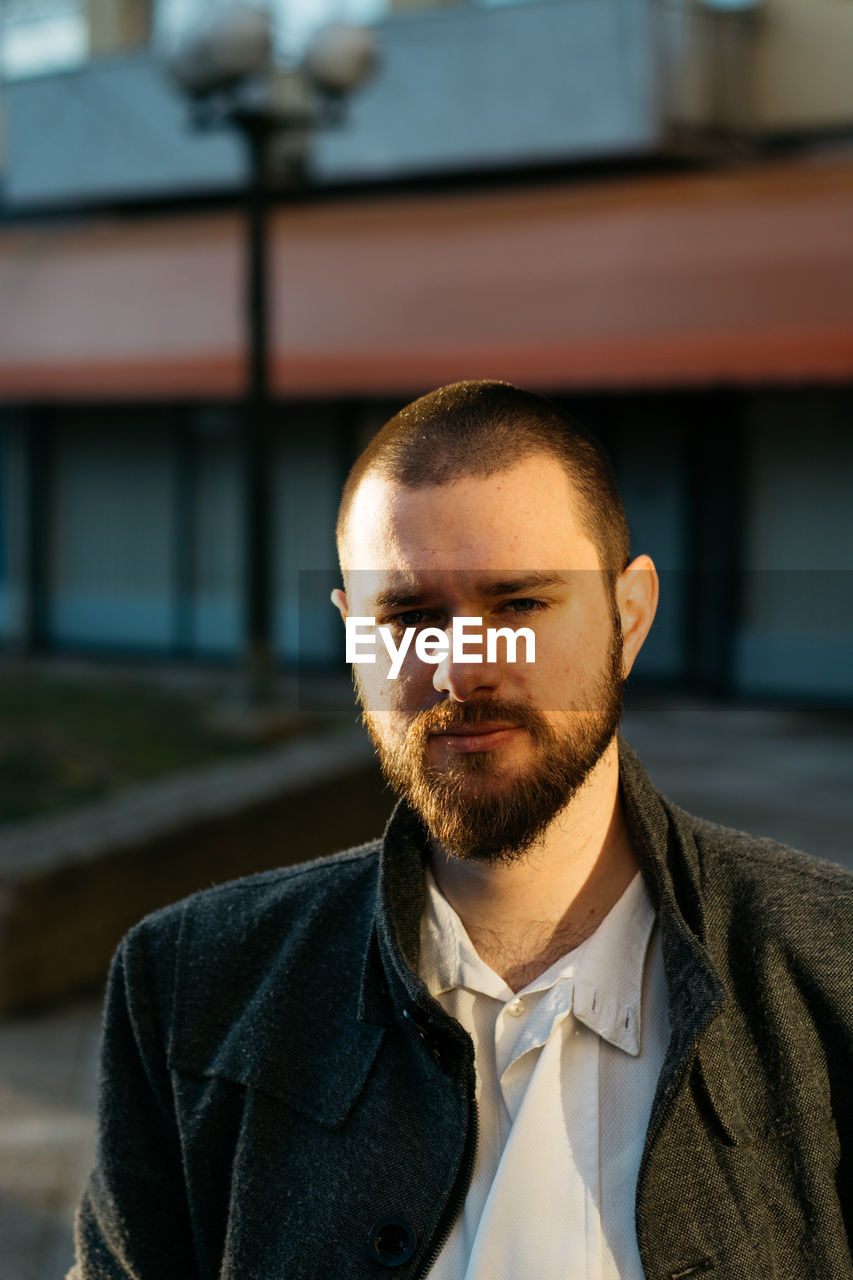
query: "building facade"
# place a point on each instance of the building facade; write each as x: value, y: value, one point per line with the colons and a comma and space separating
x: 641, y: 210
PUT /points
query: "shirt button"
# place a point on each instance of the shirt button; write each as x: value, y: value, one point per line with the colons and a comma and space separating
x: 515, y: 1007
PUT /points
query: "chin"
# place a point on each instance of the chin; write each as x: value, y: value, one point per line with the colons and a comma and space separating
x: 513, y: 757
x: 481, y: 771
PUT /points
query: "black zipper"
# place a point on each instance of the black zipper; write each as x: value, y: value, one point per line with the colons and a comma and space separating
x: 461, y: 1190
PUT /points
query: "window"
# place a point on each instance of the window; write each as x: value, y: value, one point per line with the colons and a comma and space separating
x: 38, y: 36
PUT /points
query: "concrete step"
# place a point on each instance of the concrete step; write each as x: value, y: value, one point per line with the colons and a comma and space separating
x: 71, y: 886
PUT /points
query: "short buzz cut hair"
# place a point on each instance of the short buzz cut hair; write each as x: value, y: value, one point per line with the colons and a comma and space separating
x: 479, y: 428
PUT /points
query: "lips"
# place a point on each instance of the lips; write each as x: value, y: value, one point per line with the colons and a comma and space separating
x: 489, y: 736
x: 474, y: 730
x: 484, y: 724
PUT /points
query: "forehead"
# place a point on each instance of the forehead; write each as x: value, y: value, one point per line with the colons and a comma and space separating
x: 523, y: 518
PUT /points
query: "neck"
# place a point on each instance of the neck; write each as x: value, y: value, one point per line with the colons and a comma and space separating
x: 522, y: 916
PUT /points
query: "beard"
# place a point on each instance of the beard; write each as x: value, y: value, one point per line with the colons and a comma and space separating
x: 479, y: 809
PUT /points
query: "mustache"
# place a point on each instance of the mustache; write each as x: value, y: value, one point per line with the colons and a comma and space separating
x: 446, y: 716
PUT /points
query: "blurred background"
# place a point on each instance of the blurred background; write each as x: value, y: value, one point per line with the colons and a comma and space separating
x: 233, y: 241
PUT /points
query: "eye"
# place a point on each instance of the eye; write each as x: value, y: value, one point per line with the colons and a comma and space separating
x: 524, y: 605
x: 411, y: 618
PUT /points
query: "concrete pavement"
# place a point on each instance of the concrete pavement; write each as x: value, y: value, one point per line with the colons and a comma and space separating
x: 47, y: 1101
x: 775, y: 771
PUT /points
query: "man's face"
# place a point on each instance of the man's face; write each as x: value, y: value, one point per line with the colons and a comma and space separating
x: 487, y: 753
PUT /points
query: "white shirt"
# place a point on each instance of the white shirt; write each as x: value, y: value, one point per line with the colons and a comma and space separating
x: 566, y: 1074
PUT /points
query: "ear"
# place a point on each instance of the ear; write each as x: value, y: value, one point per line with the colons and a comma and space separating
x: 637, y: 600
x: 339, y: 600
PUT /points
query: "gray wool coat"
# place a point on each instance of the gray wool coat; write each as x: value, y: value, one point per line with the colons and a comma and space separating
x: 280, y: 1096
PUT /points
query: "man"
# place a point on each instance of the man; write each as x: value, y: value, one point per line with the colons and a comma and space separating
x: 550, y: 1025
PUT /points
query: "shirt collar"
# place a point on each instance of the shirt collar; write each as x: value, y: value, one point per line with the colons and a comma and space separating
x: 605, y: 972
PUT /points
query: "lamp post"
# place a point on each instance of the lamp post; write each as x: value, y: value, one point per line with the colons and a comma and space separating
x: 224, y: 64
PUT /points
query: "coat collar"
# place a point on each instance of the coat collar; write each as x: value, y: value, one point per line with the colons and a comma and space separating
x: 669, y: 859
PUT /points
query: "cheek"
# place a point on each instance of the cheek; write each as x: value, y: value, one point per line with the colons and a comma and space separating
x: 372, y: 684
x: 570, y: 662
x: 394, y: 699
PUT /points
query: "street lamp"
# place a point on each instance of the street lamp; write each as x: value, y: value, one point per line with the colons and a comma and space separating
x: 224, y: 64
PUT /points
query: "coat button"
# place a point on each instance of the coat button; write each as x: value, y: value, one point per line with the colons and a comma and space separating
x: 391, y: 1242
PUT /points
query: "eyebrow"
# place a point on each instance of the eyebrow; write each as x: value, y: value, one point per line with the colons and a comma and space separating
x: 524, y: 582
x: 402, y: 598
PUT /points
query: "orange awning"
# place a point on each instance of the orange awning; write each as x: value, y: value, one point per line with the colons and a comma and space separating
x: 739, y: 276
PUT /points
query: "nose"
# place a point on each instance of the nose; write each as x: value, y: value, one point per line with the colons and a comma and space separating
x: 461, y: 680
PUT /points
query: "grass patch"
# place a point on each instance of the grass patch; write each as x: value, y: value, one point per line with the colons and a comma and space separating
x: 65, y: 742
